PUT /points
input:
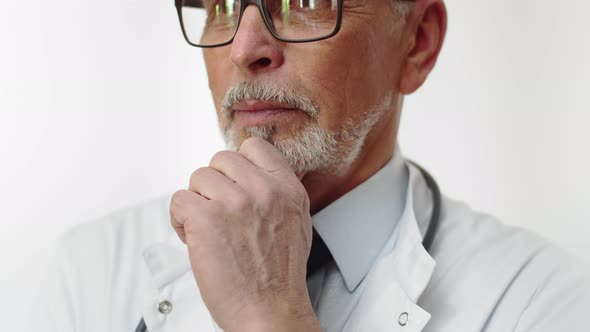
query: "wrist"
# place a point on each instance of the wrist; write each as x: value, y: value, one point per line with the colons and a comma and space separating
x: 309, y: 324
x: 276, y: 318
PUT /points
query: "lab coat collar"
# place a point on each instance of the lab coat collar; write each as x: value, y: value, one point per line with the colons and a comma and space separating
x: 411, y: 262
x: 173, y: 281
x: 391, y: 288
x: 167, y: 260
x: 356, y: 226
x: 401, y: 273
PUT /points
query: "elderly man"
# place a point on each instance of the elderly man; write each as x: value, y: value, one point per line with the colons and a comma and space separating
x: 312, y: 220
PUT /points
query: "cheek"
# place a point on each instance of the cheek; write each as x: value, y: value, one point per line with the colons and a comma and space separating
x: 341, y: 76
x: 323, y: 70
x: 371, y: 67
x: 216, y: 64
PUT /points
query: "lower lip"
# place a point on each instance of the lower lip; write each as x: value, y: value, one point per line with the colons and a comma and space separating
x: 261, y: 116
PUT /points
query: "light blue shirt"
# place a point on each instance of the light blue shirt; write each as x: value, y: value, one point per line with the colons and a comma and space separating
x: 355, y: 229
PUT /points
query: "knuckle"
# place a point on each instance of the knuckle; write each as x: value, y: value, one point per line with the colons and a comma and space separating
x: 199, y: 173
x: 178, y: 203
x: 208, y: 217
x: 179, y: 199
x: 241, y: 201
x: 221, y: 156
x: 190, y: 225
x: 214, y: 211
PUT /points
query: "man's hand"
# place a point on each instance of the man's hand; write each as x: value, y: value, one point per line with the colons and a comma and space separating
x: 246, y: 222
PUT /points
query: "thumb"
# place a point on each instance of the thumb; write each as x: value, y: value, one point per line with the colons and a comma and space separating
x: 264, y: 155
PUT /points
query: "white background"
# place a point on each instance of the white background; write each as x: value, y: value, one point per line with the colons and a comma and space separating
x: 103, y: 105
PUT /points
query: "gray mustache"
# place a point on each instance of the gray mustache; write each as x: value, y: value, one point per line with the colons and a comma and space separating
x: 258, y: 91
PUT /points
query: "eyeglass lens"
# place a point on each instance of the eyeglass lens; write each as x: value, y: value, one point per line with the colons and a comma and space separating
x: 211, y: 22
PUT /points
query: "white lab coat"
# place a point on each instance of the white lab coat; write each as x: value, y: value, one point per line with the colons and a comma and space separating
x: 480, y: 275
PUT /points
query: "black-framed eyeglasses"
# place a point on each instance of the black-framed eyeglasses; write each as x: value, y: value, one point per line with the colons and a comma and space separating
x: 212, y: 23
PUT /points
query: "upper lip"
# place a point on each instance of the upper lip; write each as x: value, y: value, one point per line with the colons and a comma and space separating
x: 259, y: 105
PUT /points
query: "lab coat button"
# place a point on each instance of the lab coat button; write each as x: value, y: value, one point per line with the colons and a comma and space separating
x: 403, y: 319
x: 165, y: 307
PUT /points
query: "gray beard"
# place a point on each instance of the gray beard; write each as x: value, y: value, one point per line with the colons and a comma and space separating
x: 312, y: 149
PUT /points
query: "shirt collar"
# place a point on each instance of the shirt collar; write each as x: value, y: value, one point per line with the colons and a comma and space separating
x: 356, y: 226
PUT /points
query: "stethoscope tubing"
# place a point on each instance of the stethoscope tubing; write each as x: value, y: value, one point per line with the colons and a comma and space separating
x: 432, y: 227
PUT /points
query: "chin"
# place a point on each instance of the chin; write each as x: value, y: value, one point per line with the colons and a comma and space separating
x: 309, y: 149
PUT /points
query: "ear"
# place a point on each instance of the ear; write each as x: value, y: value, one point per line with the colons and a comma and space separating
x: 427, y: 26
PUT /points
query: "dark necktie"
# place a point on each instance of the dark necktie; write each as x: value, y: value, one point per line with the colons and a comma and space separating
x: 319, y: 255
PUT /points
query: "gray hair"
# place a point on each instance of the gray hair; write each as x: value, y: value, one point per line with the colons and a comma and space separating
x: 402, y: 8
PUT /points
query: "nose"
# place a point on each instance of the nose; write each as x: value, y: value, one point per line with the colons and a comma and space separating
x: 254, y: 49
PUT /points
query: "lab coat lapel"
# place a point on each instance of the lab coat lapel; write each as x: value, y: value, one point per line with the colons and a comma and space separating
x: 399, y: 276
x: 173, y: 281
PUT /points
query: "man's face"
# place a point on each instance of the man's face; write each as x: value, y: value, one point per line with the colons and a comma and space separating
x: 325, y: 96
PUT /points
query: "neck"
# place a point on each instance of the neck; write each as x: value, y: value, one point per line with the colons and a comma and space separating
x: 324, y: 188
